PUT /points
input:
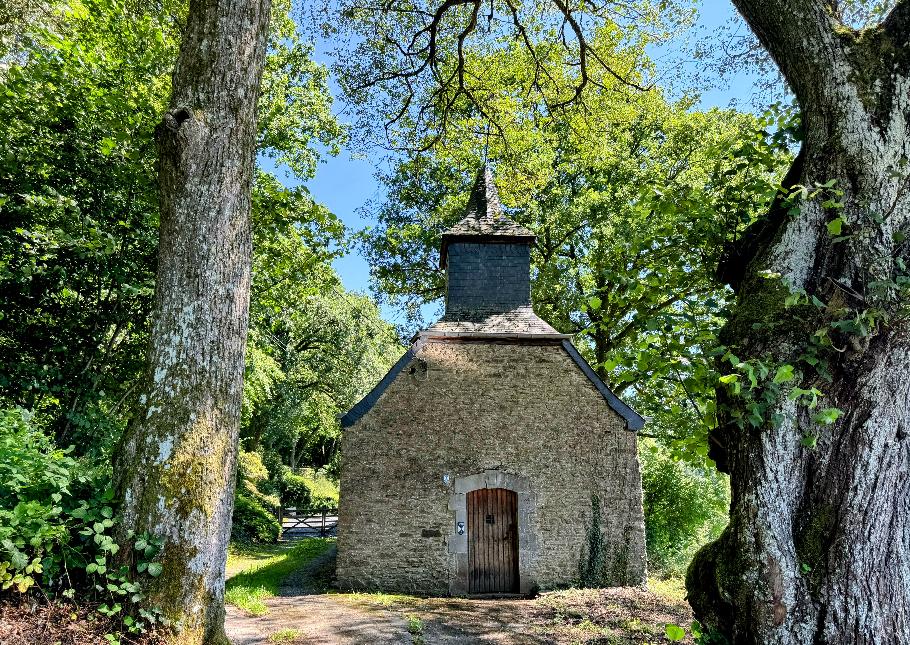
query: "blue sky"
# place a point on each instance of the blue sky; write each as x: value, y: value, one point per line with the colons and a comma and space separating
x: 345, y: 183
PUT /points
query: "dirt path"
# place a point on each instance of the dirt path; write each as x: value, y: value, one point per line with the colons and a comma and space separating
x: 305, y: 613
x: 316, y: 619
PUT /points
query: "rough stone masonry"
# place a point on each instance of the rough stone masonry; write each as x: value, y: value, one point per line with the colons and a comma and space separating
x: 489, y: 397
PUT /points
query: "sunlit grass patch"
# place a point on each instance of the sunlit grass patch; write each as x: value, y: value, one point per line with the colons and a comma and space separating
x: 379, y: 598
x: 284, y: 636
x: 262, y: 569
x: 670, y: 588
x: 243, y: 557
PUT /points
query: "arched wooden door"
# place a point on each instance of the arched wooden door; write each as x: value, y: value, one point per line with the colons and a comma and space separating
x: 492, y: 541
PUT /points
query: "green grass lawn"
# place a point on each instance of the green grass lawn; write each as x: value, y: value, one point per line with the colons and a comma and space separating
x: 255, y: 572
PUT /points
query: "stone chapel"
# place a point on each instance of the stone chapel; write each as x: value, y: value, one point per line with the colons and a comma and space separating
x: 475, y: 465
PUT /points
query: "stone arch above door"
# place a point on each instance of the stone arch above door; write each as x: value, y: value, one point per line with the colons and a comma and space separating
x: 458, y: 543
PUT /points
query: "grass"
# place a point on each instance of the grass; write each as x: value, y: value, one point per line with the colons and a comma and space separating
x: 284, y: 636
x: 670, y: 588
x: 378, y: 598
x: 415, y: 629
x: 256, y: 572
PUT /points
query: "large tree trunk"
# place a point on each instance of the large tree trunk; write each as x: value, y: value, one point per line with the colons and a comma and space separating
x: 818, y: 546
x: 176, y: 466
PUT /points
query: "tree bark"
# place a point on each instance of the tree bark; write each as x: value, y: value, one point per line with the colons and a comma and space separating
x: 175, y: 469
x: 818, y: 545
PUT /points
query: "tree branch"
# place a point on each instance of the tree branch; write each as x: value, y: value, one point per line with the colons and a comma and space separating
x: 800, y: 35
x: 897, y: 23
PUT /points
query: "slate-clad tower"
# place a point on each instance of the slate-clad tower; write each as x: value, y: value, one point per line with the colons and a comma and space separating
x: 487, y: 257
x: 474, y: 466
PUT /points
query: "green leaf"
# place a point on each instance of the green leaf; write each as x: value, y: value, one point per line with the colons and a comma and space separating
x: 729, y: 378
x: 154, y: 569
x: 809, y: 441
x: 828, y: 416
x: 835, y: 226
x: 784, y: 374
x: 107, y: 146
x: 594, y: 302
x: 674, y: 632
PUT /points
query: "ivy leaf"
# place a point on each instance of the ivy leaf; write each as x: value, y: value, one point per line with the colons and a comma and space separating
x: 674, y: 632
x: 828, y: 416
x: 835, y: 226
x: 154, y: 569
x: 784, y: 374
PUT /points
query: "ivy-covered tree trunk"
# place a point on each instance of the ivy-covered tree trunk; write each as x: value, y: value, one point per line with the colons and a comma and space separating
x: 818, y: 546
x: 176, y: 465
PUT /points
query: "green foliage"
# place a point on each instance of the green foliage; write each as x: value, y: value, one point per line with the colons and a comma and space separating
x: 594, y: 558
x: 253, y: 479
x: 309, y: 489
x: 31, y: 467
x: 34, y: 477
x: 56, y: 528
x: 684, y: 507
x: 78, y: 200
x: 404, y: 88
x: 78, y: 211
x: 314, y: 347
x: 295, y: 491
x: 253, y: 522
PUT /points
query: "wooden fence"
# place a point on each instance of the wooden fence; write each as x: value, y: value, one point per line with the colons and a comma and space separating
x: 307, y: 522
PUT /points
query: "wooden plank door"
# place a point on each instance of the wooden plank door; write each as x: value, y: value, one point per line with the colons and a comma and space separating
x: 492, y: 541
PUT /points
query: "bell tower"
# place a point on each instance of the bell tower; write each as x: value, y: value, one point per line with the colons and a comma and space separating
x: 487, y: 257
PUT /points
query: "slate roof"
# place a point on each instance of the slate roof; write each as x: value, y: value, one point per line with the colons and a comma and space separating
x: 522, y: 320
x: 484, y: 217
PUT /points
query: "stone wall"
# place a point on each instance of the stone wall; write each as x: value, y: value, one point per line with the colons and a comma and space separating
x: 461, y: 409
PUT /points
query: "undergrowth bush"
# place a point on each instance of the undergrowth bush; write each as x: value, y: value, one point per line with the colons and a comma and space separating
x: 56, y: 528
x: 685, y: 507
x: 253, y: 479
x: 308, y: 489
x: 253, y: 522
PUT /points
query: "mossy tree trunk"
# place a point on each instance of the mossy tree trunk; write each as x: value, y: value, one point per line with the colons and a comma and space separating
x: 176, y: 464
x: 818, y: 546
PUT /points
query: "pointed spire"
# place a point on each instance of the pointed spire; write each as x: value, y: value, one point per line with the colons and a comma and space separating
x: 483, y: 214
x: 483, y: 202
x: 484, y: 217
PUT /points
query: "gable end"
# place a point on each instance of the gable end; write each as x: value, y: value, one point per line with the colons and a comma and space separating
x: 363, y: 406
x: 634, y: 421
